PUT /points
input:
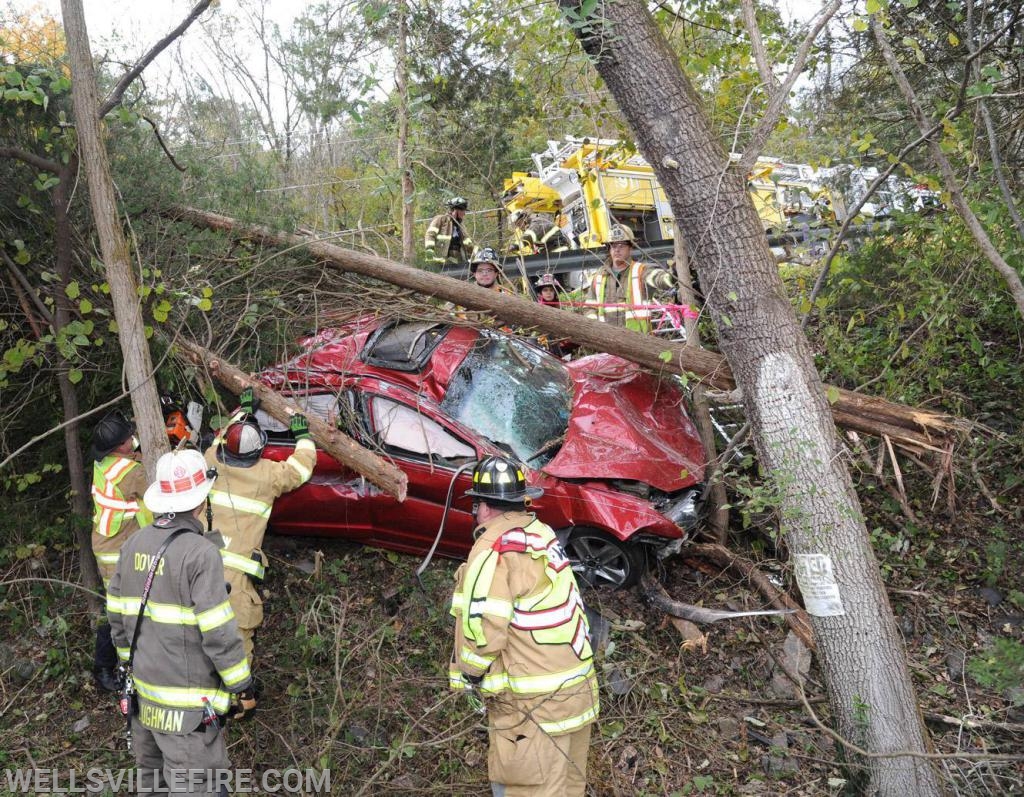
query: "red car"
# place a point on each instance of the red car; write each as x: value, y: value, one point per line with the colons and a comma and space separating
x: 620, y: 462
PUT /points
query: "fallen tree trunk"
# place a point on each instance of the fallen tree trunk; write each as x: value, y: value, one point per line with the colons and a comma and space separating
x: 343, y: 448
x: 921, y: 431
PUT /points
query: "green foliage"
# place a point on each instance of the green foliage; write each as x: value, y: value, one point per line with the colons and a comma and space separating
x: 919, y: 318
x: 1000, y: 666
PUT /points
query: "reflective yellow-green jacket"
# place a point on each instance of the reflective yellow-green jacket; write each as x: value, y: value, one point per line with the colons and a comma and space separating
x: 188, y: 647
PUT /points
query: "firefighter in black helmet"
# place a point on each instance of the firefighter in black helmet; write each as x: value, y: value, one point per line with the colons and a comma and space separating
x: 446, y: 240
x: 522, y: 640
x: 118, y: 484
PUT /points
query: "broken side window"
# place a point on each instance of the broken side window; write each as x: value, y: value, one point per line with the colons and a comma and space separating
x: 402, y: 427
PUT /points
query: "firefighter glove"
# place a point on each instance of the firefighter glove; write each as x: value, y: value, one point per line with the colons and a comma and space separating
x: 248, y: 401
x: 244, y: 706
x: 300, y: 426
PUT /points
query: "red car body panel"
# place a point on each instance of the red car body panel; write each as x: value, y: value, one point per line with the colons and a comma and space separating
x: 624, y: 425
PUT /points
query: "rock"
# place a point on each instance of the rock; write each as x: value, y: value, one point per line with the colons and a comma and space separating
x: 600, y: 629
x: 618, y: 682
x: 306, y: 566
x: 714, y: 684
x: 781, y: 686
x: 81, y: 725
x: 991, y: 596
x: 729, y: 727
x: 796, y: 656
x: 359, y: 734
x: 1008, y: 623
x: 24, y: 671
x: 955, y: 661
x: 778, y: 763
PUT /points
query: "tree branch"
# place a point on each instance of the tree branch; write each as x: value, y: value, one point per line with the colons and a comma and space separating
x: 26, y: 286
x: 160, y: 141
x: 122, y: 85
x: 780, y: 96
x: 23, y: 155
x: 771, y: 83
x: 949, y: 179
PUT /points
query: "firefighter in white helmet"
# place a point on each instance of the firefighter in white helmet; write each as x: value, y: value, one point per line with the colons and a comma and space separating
x: 622, y: 291
x: 188, y: 666
x: 522, y: 640
x: 243, y: 498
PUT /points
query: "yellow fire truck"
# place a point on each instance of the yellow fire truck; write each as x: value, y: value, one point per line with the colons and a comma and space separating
x: 586, y: 185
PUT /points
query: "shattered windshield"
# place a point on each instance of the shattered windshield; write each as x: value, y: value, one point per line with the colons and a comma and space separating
x: 513, y: 394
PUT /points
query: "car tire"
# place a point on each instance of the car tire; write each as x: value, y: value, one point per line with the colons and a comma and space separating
x: 602, y: 560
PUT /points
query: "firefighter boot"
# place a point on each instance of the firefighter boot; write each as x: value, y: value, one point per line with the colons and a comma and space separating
x: 105, y: 660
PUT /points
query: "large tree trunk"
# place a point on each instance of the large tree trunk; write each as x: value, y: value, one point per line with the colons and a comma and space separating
x: 862, y: 654
x: 404, y: 169
x: 81, y: 505
x: 916, y: 429
x: 138, y: 364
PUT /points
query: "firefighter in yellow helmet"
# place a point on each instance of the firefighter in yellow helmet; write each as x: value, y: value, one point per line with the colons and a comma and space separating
x: 623, y: 289
x: 243, y: 498
x: 118, y: 484
x: 522, y: 641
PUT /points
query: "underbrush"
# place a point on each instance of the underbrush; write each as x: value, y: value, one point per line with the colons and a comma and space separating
x: 353, y: 657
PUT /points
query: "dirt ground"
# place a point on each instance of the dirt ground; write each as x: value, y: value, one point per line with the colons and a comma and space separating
x: 352, y: 676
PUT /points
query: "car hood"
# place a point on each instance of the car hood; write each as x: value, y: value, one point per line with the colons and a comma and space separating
x: 627, y: 424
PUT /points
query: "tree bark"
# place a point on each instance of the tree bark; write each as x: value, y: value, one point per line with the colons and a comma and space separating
x: 343, y: 448
x: 862, y: 655
x: 404, y: 168
x: 81, y: 504
x: 912, y: 428
x: 124, y: 289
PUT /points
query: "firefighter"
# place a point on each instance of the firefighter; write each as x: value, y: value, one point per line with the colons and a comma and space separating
x: 446, y: 240
x: 246, y: 489
x: 547, y: 288
x: 118, y: 483
x: 535, y: 233
x: 177, y: 425
x: 522, y: 641
x: 623, y: 289
x: 188, y: 663
x: 486, y: 271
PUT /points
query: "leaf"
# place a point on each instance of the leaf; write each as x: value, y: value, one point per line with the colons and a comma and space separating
x: 665, y: 356
x: 85, y: 306
x: 832, y: 394
x: 75, y: 376
x: 72, y: 290
x: 205, y: 305
x: 872, y: 6
x: 860, y: 25
x: 953, y: 39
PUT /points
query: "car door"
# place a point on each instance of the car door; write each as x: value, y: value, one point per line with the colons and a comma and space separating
x: 335, y: 502
x: 430, y: 452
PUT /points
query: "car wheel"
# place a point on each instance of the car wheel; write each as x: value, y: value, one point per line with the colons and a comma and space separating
x: 601, y: 560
